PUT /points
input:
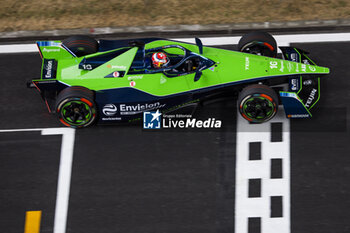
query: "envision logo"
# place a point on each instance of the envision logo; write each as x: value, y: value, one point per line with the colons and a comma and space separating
x: 109, y: 110
x: 49, y: 69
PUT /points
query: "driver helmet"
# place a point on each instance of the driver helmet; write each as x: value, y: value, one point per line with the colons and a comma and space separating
x: 159, y: 60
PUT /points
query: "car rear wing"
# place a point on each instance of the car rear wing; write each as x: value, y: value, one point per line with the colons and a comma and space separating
x: 54, y: 50
x: 304, y: 90
x: 47, y: 85
x: 51, y: 52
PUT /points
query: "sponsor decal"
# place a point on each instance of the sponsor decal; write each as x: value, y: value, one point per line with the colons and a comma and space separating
x: 135, y: 77
x: 109, y: 109
x: 289, y: 66
x: 297, y: 67
x: 305, y: 61
x: 116, y: 67
x: 49, y: 69
x: 303, y: 67
x: 282, y: 67
x: 312, y: 68
x: 294, y: 84
x: 130, y: 109
x: 212, y: 68
x: 181, y: 105
x: 132, y: 83
x: 162, y: 79
x: 53, y: 81
x: 119, y: 67
x: 116, y: 74
x: 246, y: 63
x: 311, y: 97
x: 152, y: 120
x: 293, y: 56
x: 111, y: 118
x: 48, y: 43
x: 51, y: 50
x: 273, y: 65
x: 307, y: 82
x: 298, y: 115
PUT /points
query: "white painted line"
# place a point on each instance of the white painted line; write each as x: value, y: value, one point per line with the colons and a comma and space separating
x: 260, y: 169
x: 18, y: 48
x: 20, y: 130
x: 64, y: 174
x: 282, y: 40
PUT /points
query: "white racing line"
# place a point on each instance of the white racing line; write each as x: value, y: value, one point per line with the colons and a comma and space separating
x: 253, y: 213
x: 64, y: 173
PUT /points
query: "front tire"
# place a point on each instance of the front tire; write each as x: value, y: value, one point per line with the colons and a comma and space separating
x: 75, y: 107
x: 258, y: 103
x: 259, y: 43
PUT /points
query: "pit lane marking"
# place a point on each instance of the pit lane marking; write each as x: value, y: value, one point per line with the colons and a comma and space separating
x: 282, y: 40
x: 64, y: 173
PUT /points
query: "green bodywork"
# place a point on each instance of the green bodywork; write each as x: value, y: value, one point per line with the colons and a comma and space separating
x: 230, y: 67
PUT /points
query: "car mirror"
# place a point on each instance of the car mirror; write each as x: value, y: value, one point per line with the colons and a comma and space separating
x: 198, y: 75
x: 200, y: 45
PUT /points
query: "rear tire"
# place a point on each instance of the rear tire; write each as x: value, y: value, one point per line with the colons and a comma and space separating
x: 259, y: 43
x: 81, y: 45
x: 258, y: 103
x: 75, y: 107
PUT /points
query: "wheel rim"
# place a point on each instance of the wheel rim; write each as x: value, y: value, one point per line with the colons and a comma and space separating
x: 76, y: 112
x: 258, y: 108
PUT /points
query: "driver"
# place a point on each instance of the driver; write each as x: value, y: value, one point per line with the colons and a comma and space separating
x: 160, y: 60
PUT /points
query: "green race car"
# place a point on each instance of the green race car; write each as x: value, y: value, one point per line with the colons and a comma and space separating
x: 84, y: 81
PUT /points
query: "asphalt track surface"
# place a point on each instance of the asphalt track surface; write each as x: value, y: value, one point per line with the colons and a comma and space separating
x: 125, y: 179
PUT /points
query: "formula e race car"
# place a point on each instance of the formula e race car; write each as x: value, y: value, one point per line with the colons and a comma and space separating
x: 84, y: 81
